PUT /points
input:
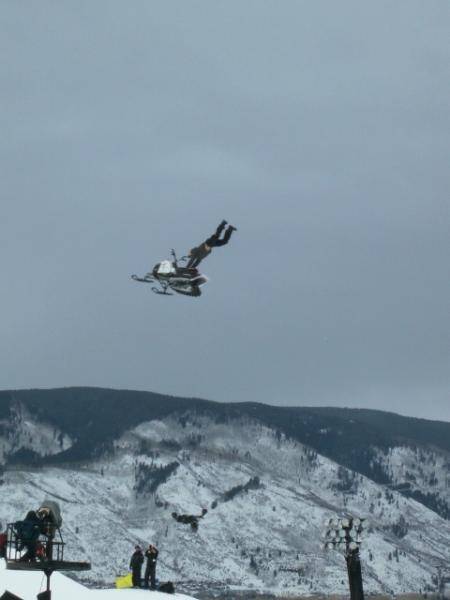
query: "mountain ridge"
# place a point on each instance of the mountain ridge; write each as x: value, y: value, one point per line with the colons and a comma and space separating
x: 93, y: 418
x: 261, y: 499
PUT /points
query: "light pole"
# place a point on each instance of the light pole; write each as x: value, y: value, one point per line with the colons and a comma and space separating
x: 346, y: 534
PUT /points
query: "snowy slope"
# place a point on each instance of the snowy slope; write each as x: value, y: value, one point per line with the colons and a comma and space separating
x: 421, y: 472
x: 27, y: 585
x: 22, y: 432
x: 265, y: 536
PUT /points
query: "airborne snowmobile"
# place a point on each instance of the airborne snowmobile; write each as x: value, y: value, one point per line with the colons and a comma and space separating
x: 187, y: 279
x: 170, y: 276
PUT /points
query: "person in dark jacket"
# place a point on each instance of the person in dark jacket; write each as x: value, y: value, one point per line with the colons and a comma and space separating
x: 136, y: 561
x: 28, y: 532
x: 151, y: 555
x: 197, y: 254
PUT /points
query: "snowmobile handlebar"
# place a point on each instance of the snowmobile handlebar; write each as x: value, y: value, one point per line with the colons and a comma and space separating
x: 175, y: 259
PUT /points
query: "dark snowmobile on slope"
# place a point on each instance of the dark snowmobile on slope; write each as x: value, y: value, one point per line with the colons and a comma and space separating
x: 171, y: 277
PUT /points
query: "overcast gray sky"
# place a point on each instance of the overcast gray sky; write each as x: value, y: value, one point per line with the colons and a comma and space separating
x: 320, y: 129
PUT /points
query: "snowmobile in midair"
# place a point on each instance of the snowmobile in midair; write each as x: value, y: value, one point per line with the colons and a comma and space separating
x: 186, y: 279
x: 170, y: 276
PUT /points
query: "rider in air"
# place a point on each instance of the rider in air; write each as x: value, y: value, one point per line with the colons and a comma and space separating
x: 186, y: 279
x: 196, y: 255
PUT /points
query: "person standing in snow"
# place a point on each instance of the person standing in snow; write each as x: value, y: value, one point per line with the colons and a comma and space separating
x: 136, y: 561
x: 151, y: 555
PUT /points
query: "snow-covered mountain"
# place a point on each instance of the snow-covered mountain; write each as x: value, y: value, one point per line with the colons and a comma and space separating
x: 267, y: 482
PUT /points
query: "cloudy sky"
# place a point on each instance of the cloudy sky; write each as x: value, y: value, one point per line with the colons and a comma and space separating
x: 319, y: 128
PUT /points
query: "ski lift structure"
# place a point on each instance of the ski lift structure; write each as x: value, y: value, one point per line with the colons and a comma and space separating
x: 49, y: 550
x: 346, y: 534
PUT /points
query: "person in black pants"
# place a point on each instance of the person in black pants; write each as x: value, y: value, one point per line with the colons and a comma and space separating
x: 198, y: 253
x: 136, y: 561
x: 28, y: 532
x: 150, y: 570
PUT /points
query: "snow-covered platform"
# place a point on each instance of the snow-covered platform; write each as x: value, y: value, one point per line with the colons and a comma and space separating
x: 28, y: 584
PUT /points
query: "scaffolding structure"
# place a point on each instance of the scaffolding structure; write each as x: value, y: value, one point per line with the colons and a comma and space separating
x: 47, y: 555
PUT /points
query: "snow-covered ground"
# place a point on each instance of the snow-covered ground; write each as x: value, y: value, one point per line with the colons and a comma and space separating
x: 27, y: 584
x: 265, y: 538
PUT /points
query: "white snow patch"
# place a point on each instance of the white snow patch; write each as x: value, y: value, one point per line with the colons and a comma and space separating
x: 27, y: 584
